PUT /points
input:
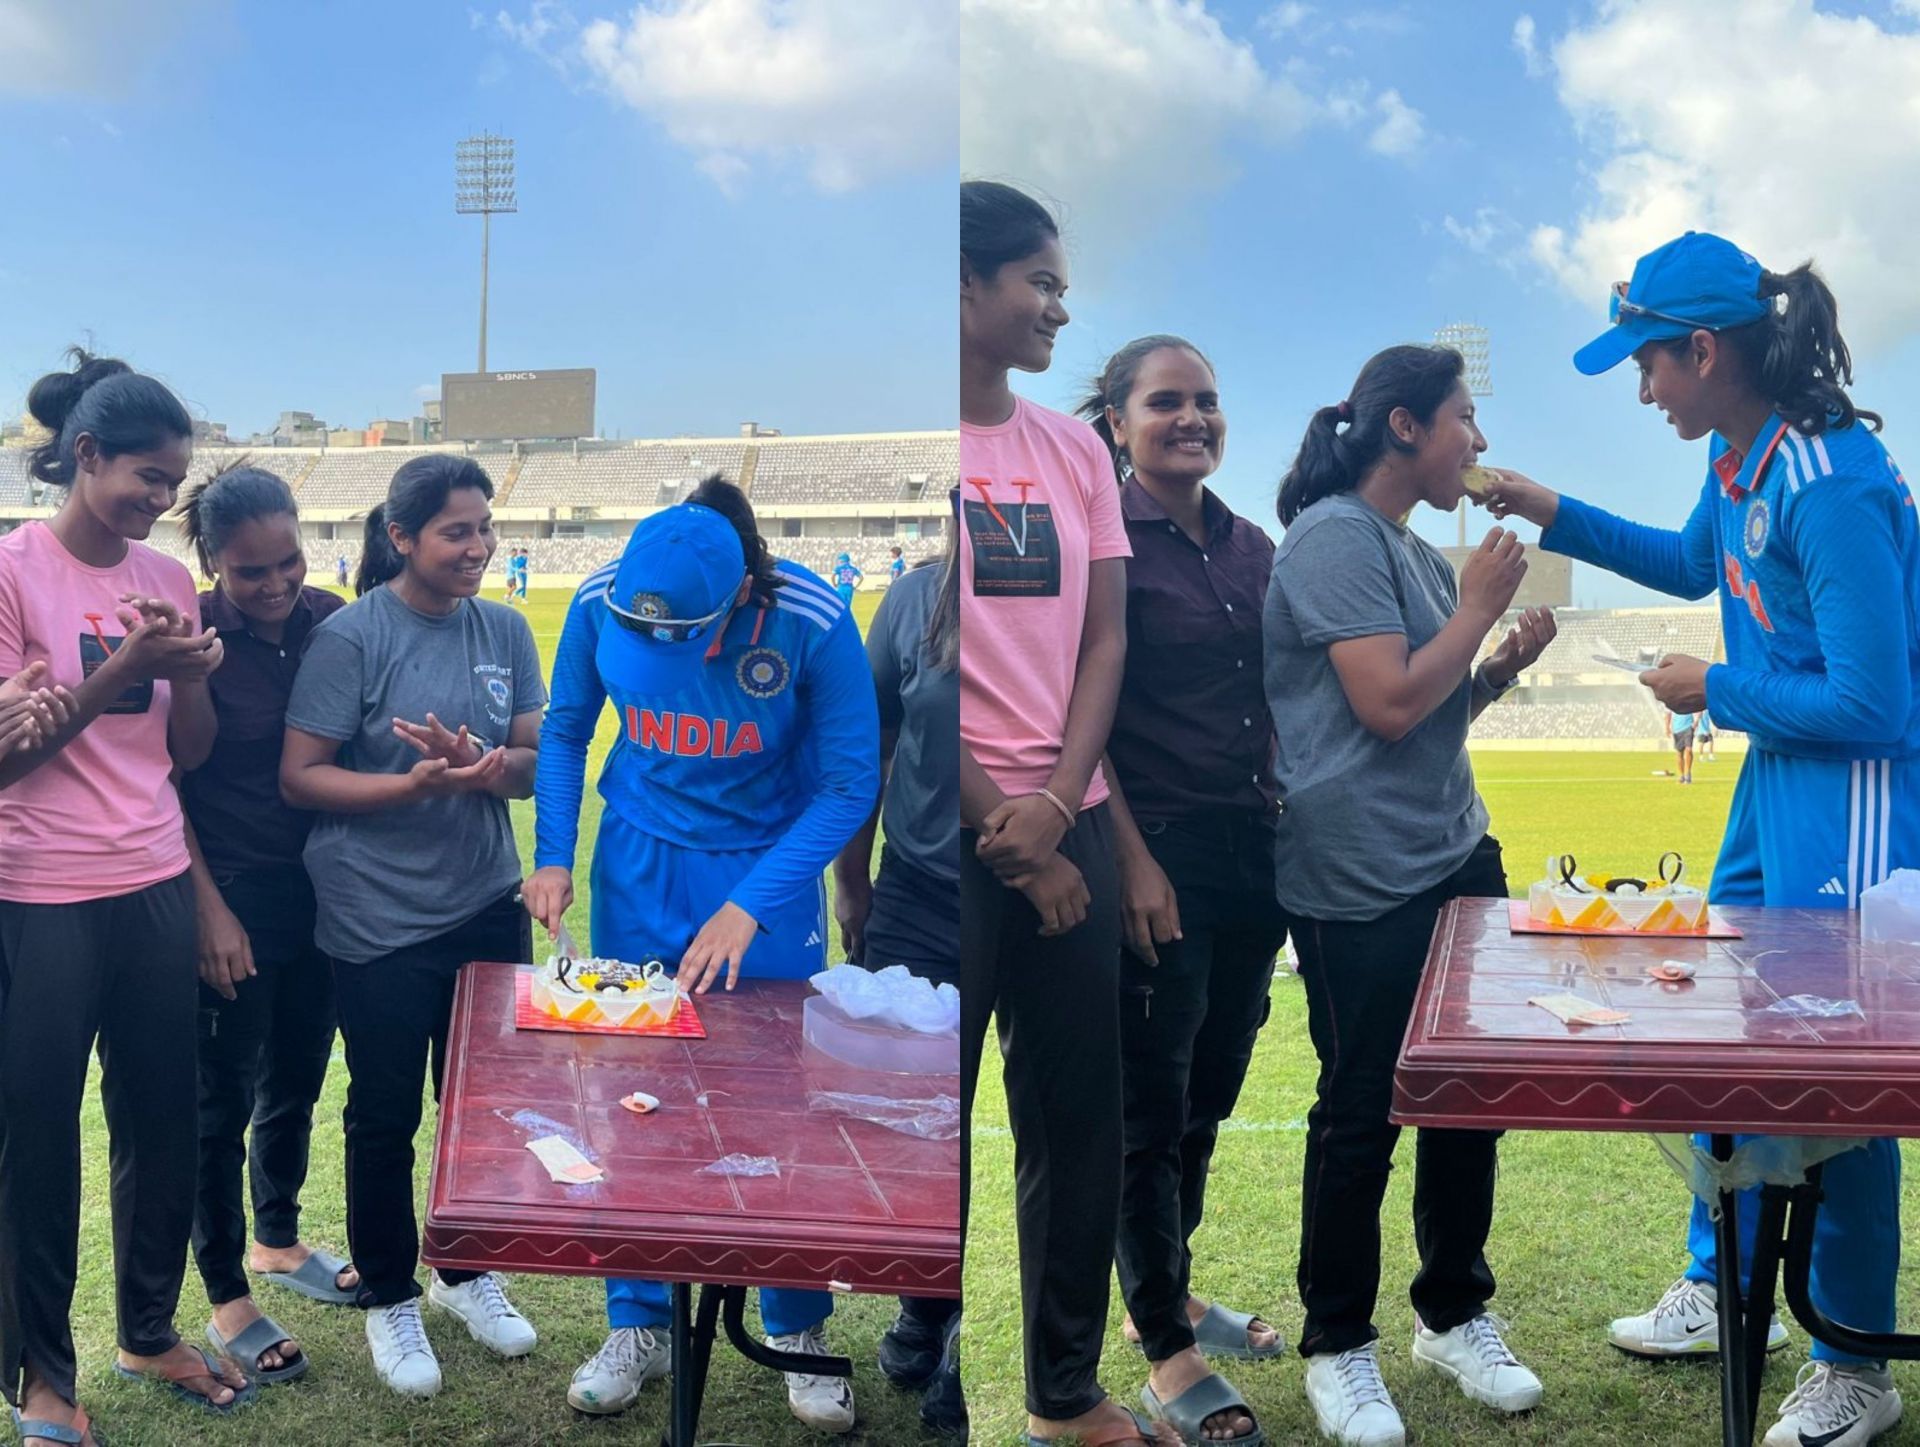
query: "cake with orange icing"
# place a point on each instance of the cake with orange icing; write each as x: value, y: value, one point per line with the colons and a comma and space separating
x: 1567, y: 899
x: 605, y: 992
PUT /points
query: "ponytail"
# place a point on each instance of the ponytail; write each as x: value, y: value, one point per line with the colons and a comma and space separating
x: 1417, y: 378
x: 1795, y: 357
x: 235, y: 495
x: 417, y: 494
x: 1114, y: 386
x: 725, y: 498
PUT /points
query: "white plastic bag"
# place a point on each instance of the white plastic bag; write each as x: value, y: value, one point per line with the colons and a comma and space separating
x: 893, y: 996
x: 1890, y: 910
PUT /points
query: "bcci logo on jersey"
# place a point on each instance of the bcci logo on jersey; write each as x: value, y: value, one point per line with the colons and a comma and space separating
x: 762, y: 672
x: 1758, y: 521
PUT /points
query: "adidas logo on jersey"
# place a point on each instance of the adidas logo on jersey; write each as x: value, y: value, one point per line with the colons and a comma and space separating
x: 1833, y: 886
x: 813, y: 937
x: 688, y: 733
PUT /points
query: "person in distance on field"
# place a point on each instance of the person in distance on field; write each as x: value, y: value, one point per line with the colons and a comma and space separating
x: 1805, y: 529
x: 1370, y: 674
x: 413, y: 720
x: 1190, y: 766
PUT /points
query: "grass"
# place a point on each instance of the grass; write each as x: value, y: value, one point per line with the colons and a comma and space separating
x: 1588, y: 1227
x: 484, y: 1401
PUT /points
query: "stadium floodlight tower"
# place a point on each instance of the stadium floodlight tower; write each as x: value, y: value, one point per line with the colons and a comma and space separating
x: 1470, y: 340
x: 483, y: 186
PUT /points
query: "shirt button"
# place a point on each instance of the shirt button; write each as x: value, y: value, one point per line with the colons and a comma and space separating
x: 1229, y: 607
x: 1205, y: 559
x: 1239, y: 663
x: 1246, y: 723
x: 1172, y: 528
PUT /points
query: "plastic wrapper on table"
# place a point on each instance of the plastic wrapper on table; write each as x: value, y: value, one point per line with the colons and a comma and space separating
x: 894, y: 996
x: 935, y: 1119
x: 1814, y: 1007
x: 739, y: 1164
x: 1771, y: 1160
x: 875, y: 1044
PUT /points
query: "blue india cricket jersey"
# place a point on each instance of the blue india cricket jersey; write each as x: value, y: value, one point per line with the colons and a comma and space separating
x: 774, y: 748
x: 1813, y: 546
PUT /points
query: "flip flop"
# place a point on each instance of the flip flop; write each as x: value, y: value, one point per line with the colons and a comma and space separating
x: 249, y: 1344
x: 172, y: 1378
x: 316, y: 1278
x: 1223, y: 1333
x: 1119, y: 1434
x: 75, y: 1436
x: 1187, y: 1413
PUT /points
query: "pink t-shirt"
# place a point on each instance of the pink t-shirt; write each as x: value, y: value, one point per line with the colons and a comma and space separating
x: 100, y: 818
x: 1038, y: 506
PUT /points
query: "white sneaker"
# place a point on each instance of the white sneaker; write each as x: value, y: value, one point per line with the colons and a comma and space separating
x: 1836, y: 1406
x: 1351, y: 1401
x: 491, y: 1319
x: 1476, y: 1356
x: 1683, y: 1323
x: 610, y: 1380
x: 824, y: 1403
x: 402, y: 1355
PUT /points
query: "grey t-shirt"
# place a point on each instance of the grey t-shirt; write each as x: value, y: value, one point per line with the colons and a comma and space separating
x: 1366, y: 823
x: 393, y: 878
x: 922, y: 810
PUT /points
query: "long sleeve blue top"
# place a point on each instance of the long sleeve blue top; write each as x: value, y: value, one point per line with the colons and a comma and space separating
x: 1813, y: 545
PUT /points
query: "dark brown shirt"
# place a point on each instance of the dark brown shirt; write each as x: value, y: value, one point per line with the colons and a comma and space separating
x: 1192, y: 731
x: 234, y: 798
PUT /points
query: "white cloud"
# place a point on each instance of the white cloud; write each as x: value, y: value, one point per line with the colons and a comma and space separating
x: 847, y: 90
x: 1524, y: 41
x: 86, y: 46
x: 1766, y: 156
x: 1489, y: 226
x: 1292, y: 15
x: 1909, y: 8
x: 1401, y: 128
x: 1099, y: 102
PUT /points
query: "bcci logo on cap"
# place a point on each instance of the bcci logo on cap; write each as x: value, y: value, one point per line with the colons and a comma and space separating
x: 649, y: 606
x: 762, y: 672
x: 1758, y: 521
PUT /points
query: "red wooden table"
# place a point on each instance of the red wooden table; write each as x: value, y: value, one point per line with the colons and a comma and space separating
x: 855, y: 1207
x: 1701, y: 1055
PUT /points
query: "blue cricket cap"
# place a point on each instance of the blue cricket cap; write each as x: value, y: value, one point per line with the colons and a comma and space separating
x: 1697, y: 282
x: 680, y: 565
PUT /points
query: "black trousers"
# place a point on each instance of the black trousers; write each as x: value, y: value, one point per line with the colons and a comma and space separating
x: 394, y: 1014
x: 263, y: 1061
x: 1056, y: 1004
x: 1360, y: 981
x: 915, y: 922
x: 122, y: 970
x: 1187, y: 1029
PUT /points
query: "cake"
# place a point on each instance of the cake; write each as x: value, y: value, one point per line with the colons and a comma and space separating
x: 605, y: 992
x: 1479, y: 481
x: 1566, y: 899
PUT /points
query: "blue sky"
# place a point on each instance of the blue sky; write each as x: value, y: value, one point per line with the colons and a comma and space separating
x: 254, y: 200
x: 1294, y: 186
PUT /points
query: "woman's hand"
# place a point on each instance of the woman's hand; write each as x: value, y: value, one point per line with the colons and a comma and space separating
x: 152, y: 650
x: 226, y: 954
x: 1492, y: 576
x: 1019, y: 835
x: 717, y: 949
x: 548, y: 895
x: 1679, y: 682
x: 852, y: 906
x: 30, y: 713
x: 1059, y: 893
x: 1514, y: 494
x: 1149, y: 909
x: 434, y: 741
x: 437, y: 779
x: 1526, y: 640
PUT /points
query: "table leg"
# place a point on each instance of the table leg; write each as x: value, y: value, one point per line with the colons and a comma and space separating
x: 1736, y: 1418
x: 1760, y: 1291
x: 1797, y: 1279
x: 692, y: 1345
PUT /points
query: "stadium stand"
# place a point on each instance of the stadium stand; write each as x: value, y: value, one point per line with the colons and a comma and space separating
x: 14, y: 485
x: 643, y: 475
x: 853, y: 470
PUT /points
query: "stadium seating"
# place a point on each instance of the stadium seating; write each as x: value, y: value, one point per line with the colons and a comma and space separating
x: 643, y: 475
x: 853, y: 470
x: 14, y: 488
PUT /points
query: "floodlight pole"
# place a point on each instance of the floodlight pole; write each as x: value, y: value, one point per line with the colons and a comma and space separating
x: 1470, y: 340
x: 483, y: 185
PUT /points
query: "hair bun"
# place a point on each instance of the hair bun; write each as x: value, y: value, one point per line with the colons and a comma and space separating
x: 55, y: 395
